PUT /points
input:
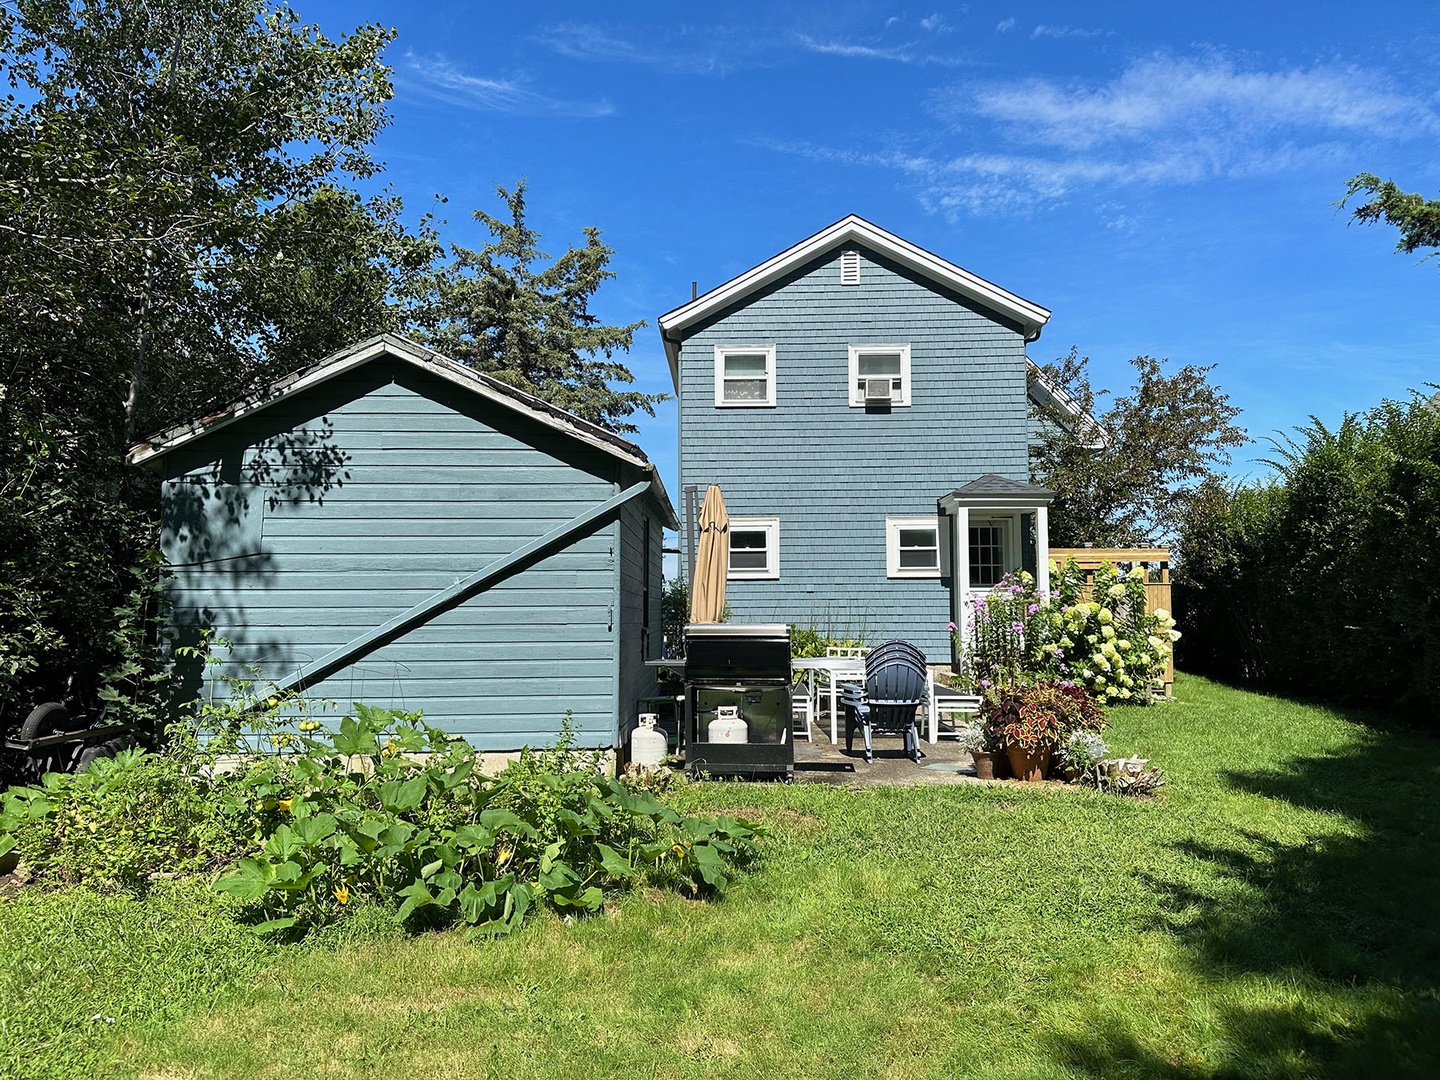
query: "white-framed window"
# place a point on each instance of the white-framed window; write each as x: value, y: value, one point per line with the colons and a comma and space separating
x: 754, y: 549
x: 993, y: 551
x: 871, y: 366
x: 744, y: 376
x: 912, y: 547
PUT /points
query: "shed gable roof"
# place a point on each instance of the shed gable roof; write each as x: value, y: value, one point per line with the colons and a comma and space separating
x: 851, y: 229
x: 395, y: 347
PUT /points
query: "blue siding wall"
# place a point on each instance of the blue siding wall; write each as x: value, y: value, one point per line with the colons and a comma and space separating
x: 832, y: 474
x: 367, y: 495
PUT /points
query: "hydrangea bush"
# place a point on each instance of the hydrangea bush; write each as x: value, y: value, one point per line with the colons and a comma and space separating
x: 1107, y: 642
x: 1110, y: 644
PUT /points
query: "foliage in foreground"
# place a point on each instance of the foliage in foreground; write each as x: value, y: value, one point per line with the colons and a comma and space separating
x: 384, y: 808
x: 1259, y: 922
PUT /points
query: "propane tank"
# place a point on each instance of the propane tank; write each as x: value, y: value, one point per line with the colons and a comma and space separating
x: 647, y: 746
x: 728, y: 727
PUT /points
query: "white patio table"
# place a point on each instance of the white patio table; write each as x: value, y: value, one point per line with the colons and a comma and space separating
x: 841, y: 669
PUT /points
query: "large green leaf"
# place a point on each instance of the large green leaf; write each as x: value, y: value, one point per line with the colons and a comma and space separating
x: 248, y: 880
x: 284, y: 843
x: 614, y: 864
x: 399, y: 796
x: 312, y: 830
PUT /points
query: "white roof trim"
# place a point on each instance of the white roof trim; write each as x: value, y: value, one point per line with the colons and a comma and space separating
x: 400, y: 348
x: 851, y: 229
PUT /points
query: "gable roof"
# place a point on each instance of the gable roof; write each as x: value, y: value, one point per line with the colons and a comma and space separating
x: 851, y: 229
x: 395, y: 347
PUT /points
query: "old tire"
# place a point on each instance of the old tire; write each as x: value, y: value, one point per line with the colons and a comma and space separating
x: 98, y: 750
x: 45, y: 719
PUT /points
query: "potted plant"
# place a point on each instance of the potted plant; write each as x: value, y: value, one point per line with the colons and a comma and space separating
x: 1083, y: 750
x: 1033, y: 720
x: 973, y: 741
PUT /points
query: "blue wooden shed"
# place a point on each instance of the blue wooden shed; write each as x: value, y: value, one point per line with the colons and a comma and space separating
x: 389, y: 526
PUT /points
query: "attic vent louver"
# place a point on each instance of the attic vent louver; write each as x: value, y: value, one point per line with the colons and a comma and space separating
x: 849, y: 268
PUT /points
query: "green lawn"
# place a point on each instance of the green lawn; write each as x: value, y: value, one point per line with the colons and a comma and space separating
x: 1274, y: 914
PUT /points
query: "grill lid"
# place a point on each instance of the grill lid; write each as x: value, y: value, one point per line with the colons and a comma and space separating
x: 737, y: 651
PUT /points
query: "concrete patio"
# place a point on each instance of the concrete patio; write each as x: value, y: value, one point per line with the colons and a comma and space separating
x: 818, y: 762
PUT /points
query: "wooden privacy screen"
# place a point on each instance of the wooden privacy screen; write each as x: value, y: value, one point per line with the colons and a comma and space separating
x: 1157, y: 581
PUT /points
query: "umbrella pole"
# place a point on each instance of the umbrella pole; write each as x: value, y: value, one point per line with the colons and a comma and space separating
x: 692, y: 541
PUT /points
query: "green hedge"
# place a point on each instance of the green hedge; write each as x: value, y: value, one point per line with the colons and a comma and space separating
x: 1325, y: 581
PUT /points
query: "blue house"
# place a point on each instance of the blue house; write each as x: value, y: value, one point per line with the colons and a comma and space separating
x: 865, y: 407
x: 391, y: 527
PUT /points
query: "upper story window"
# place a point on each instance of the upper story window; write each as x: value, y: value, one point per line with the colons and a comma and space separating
x: 744, y: 376
x: 912, y: 547
x: 879, y: 375
x: 754, y: 549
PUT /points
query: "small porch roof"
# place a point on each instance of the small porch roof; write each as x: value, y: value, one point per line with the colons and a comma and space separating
x: 995, y: 492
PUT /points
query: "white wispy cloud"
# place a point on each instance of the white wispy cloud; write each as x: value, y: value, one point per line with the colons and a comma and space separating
x: 1183, y: 97
x: 935, y: 24
x: 906, y: 53
x: 1004, y: 26
x: 1067, y: 32
x: 439, y: 78
x: 579, y: 41
x: 1162, y: 121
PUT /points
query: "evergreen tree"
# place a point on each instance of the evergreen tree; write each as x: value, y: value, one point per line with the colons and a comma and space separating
x: 505, y: 314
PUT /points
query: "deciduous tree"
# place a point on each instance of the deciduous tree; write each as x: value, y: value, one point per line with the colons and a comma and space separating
x: 1125, y: 475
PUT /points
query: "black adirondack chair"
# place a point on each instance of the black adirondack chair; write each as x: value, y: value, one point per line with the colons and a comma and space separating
x: 895, y: 687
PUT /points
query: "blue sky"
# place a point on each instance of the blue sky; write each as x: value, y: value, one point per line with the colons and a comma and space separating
x: 1161, y: 176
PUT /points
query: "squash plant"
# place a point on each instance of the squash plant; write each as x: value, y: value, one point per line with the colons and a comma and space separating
x: 388, y: 807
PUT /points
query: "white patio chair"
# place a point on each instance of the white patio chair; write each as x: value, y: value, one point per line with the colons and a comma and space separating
x: 802, y: 706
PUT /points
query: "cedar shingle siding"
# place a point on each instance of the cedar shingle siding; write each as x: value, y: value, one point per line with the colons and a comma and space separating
x: 832, y: 473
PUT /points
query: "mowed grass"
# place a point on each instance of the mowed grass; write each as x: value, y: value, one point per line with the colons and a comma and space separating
x: 1273, y: 915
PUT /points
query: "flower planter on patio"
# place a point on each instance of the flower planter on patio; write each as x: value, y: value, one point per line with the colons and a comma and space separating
x: 1030, y: 766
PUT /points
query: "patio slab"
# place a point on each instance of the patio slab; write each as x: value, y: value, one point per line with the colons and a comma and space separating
x: 819, y: 762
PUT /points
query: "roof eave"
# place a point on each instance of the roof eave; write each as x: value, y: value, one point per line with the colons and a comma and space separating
x: 158, y: 445
x: 1030, y: 316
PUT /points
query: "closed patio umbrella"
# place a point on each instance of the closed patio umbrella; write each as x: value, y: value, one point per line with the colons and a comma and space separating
x: 707, y: 591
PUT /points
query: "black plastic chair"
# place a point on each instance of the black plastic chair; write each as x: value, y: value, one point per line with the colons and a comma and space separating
x: 896, y: 685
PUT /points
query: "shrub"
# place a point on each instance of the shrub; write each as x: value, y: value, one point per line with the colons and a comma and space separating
x: 1102, y: 637
x: 123, y: 821
x: 1325, y: 579
x: 383, y: 808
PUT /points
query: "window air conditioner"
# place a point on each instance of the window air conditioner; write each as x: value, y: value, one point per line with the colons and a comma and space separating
x: 877, y: 391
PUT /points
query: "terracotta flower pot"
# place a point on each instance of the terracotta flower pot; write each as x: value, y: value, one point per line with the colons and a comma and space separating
x: 1029, y: 765
x: 984, y: 765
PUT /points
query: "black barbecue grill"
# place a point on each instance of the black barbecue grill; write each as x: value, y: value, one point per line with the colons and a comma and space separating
x: 737, y: 700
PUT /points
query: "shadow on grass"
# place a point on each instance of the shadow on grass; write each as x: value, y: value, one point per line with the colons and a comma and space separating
x: 1320, y: 953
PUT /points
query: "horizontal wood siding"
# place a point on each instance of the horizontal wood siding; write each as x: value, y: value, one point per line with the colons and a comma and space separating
x: 832, y: 474
x: 376, y: 491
